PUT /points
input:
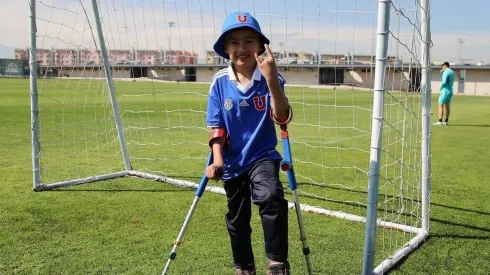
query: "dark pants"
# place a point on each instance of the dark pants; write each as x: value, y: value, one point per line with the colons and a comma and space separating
x: 261, y: 186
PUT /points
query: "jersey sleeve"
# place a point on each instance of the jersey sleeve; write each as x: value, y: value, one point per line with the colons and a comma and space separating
x: 214, y: 112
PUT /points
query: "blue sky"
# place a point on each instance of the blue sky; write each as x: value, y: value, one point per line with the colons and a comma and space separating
x: 469, y: 16
x: 327, y: 26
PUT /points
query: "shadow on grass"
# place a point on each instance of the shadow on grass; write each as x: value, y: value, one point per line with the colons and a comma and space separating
x: 196, y: 179
x: 400, y: 263
x: 434, y: 237
x: 460, y: 209
x: 459, y: 236
x: 470, y: 125
x: 382, y: 195
x: 180, y: 188
x: 467, y: 226
x: 183, y: 189
x: 449, y: 235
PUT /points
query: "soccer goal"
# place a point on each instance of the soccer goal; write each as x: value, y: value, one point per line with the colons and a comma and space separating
x: 120, y: 90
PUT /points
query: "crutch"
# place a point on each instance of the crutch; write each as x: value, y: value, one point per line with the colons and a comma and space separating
x: 287, y: 165
x: 199, y: 192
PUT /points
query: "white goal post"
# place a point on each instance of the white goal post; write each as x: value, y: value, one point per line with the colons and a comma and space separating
x: 120, y: 90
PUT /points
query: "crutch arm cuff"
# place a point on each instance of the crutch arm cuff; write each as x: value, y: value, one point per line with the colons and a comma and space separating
x: 288, y: 120
x: 218, y: 133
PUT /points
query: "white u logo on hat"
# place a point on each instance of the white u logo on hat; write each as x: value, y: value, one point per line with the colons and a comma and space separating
x: 242, y: 18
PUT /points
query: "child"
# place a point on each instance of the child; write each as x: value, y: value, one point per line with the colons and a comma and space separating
x: 246, y: 100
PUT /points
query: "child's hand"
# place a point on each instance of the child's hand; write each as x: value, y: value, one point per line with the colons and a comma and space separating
x: 214, y: 171
x: 267, y: 65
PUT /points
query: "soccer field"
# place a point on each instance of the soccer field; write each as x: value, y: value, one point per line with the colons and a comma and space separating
x: 127, y: 225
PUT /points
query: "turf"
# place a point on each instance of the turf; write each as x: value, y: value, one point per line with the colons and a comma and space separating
x: 126, y: 226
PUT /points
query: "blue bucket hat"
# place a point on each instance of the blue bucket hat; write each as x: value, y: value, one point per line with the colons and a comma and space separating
x: 238, y: 20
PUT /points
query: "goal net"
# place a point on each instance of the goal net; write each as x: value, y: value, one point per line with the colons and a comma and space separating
x: 121, y: 90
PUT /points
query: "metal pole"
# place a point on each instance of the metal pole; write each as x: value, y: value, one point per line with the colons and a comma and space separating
x: 200, y: 190
x: 287, y: 166
x: 171, y: 24
x: 460, y: 41
x: 426, y: 96
x: 110, y: 85
x: 36, y: 172
x: 376, y: 134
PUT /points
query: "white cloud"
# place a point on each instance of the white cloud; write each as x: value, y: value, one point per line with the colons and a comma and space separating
x: 447, y: 48
x: 66, y: 26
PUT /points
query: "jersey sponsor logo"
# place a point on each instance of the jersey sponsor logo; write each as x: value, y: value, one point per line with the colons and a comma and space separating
x: 259, y: 102
x: 228, y: 104
x: 244, y: 103
x: 242, y: 18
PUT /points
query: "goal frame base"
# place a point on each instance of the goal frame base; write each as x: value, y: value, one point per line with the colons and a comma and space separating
x: 384, y: 266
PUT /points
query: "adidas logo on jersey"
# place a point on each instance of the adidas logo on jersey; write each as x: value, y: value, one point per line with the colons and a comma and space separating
x: 243, y: 103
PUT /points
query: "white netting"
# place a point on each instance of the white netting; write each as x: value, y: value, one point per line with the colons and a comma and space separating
x: 325, y: 50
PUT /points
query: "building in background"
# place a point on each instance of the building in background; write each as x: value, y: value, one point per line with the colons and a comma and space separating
x: 299, y: 68
x: 87, y: 57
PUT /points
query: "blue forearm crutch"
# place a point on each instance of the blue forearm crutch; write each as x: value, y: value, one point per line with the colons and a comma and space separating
x: 287, y: 165
x: 199, y: 192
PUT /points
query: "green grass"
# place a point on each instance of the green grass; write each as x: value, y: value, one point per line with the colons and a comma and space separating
x: 126, y: 226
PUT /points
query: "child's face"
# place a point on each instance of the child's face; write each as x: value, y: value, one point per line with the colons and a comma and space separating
x: 241, y: 45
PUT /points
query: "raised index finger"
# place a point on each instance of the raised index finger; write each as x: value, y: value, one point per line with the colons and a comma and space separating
x: 268, y: 50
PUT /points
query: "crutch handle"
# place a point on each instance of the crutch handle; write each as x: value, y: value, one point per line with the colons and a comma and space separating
x: 219, y: 171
